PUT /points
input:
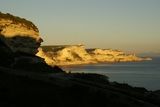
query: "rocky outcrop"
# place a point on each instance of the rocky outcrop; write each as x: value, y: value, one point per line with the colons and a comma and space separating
x: 19, y: 34
x: 19, y: 38
x: 77, y: 54
x: 19, y: 42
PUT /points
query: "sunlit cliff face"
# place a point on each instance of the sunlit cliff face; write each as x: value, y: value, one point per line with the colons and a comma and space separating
x: 77, y: 54
x: 19, y: 36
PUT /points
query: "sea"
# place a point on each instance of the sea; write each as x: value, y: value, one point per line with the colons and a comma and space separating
x: 138, y: 74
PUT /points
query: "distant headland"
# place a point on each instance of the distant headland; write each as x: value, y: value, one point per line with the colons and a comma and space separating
x: 78, y: 54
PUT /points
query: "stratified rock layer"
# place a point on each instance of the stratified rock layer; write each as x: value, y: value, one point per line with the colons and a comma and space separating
x: 77, y: 54
x: 19, y: 34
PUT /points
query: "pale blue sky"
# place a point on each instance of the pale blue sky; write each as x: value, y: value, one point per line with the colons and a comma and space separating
x: 130, y: 25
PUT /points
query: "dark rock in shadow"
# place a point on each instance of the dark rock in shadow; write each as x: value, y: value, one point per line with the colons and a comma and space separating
x: 18, y: 53
x: 6, y: 55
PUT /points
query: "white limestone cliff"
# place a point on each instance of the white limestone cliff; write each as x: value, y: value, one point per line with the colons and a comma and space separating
x: 77, y: 54
x: 109, y: 55
x: 47, y: 59
x: 68, y: 55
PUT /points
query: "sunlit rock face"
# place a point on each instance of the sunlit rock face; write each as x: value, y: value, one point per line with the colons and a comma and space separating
x: 106, y: 52
x: 77, y: 54
x: 66, y: 55
x: 73, y: 53
x: 109, y: 55
x: 19, y: 34
x: 47, y: 59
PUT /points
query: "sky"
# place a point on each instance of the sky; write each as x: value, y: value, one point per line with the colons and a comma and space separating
x: 129, y: 25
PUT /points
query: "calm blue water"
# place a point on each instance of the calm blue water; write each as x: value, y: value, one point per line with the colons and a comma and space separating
x: 141, y: 74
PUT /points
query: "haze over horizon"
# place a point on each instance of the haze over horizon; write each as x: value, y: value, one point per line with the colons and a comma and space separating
x: 119, y: 24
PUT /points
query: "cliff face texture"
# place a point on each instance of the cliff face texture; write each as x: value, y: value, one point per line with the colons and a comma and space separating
x: 77, y: 54
x: 108, y: 55
x: 19, y: 42
x: 66, y: 55
x: 20, y: 35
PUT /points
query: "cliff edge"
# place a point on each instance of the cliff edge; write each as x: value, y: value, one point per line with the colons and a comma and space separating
x: 19, y: 34
x: 19, y: 42
x: 77, y: 54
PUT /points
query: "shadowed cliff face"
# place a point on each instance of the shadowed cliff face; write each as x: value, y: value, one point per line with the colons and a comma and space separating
x: 19, y: 34
x: 21, y: 43
x: 17, y: 53
x: 6, y: 54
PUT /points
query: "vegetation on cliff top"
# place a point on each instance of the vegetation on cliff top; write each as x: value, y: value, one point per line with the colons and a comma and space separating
x: 18, y: 20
